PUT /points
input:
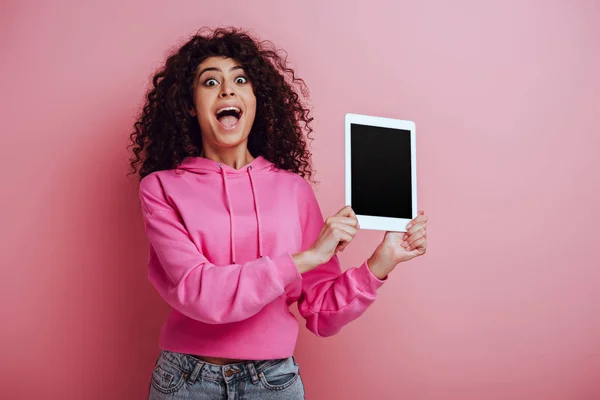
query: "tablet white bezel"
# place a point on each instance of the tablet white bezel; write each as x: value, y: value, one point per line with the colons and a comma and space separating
x: 368, y: 221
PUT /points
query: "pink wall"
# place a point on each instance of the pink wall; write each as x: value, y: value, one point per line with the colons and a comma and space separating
x: 506, y: 97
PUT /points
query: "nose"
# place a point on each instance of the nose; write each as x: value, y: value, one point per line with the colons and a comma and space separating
x: 227, y: 90
x: 226, y: 93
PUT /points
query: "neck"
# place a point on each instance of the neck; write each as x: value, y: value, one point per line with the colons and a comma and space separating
x: 235, y: 158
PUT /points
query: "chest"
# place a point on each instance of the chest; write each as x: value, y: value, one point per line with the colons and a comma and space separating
x: 217, y: 219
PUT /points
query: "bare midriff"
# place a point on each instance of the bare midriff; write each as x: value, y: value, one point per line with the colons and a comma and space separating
x: 218, y: 361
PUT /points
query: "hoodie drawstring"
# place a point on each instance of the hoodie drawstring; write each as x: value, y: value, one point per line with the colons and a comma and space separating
x: 260, y: 253
x: 230, y: 209
x: 231, y: 240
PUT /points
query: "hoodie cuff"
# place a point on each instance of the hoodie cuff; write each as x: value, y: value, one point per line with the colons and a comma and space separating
x: 286, y: 267
x: 368, y: 282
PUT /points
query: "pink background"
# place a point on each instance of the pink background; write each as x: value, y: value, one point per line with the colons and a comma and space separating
x: 506, y: 98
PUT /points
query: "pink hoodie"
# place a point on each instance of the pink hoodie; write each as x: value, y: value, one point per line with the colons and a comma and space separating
x: 221, y: 242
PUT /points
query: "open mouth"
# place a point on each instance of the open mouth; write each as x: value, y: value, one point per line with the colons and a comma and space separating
x: 229, y: 117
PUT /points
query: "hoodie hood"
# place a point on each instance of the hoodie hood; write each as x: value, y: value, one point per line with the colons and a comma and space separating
x: 202, y: 165
x: 206, y: 165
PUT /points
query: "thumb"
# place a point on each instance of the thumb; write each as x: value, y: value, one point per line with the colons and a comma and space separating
x: 347, y: 211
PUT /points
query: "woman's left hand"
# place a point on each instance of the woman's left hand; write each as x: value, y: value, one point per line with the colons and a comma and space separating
x: 398, y: 247
x: 413, y: 243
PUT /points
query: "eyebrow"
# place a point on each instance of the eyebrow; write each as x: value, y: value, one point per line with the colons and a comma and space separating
x: 217, y: 69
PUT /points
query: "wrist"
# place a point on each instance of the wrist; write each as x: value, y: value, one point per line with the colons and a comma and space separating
x: 306, y: 261
x: 380, y: 264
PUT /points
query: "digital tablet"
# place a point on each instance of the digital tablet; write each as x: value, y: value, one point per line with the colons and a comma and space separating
x: 381, y: 175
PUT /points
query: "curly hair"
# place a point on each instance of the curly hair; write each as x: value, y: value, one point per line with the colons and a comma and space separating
x: 165, y: 133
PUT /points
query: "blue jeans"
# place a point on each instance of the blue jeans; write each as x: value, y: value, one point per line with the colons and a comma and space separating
x: 178, y: 376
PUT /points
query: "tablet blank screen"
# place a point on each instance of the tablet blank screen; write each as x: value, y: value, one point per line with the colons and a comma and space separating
x: 381, y: 171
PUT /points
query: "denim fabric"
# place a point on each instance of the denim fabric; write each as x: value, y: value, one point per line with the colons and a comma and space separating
x: 178, y: 376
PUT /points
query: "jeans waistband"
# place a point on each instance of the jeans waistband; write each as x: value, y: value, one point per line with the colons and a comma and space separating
x: 196, y: 368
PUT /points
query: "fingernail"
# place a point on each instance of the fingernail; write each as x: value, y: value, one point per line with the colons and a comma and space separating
x: 408, y: 226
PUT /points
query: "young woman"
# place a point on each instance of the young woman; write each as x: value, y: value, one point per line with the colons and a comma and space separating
x: 236, y: 234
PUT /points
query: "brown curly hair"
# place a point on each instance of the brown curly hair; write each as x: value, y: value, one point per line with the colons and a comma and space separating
x: 165, y: 132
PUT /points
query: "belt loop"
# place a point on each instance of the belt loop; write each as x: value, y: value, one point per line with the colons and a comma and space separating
x: 196, y: 372
x: 253, y: 373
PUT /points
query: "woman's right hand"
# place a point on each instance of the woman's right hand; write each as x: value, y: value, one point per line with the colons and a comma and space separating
x: 337, y: 232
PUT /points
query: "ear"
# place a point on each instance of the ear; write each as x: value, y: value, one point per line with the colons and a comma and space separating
x: 192, y: 112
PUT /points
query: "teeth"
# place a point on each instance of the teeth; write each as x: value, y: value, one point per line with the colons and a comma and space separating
x: 220, y: 110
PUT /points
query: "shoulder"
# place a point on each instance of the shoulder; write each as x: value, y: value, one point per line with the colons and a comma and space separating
x: 154, y: 182
x: 151, y: 185
x: 149, y: 182
x: 296, y: 183
x: 151, y: 190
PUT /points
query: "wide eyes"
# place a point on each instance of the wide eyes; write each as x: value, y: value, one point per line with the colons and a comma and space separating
x: 240, y: 80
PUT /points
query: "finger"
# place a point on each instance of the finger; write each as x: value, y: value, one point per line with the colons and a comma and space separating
x: 344, y: 220
x: 418, y: 220
x: 344, y: 238
x: 414, y: 245
x: 345, y: 228
x: 347, y: 211
x: 417, y: 244
x: 354, y: 217
x: 417, y: 228
x: 351, y: 211
x: 346, y: 234
x: 407, y: 235
x: 409, y: 239
x: 416, y: 236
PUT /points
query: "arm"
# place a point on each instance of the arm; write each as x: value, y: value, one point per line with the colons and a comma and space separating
x: 331, y: 299
x: 190, y: 283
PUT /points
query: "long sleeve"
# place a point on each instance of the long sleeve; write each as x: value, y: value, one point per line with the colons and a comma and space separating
x: 189, y: 283
x: 331, y: 299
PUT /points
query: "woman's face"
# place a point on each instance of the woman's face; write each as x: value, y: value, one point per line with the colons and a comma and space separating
x: 225, y: 104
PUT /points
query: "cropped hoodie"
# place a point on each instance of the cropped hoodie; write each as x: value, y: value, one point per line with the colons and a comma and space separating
x: 220, y: 254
